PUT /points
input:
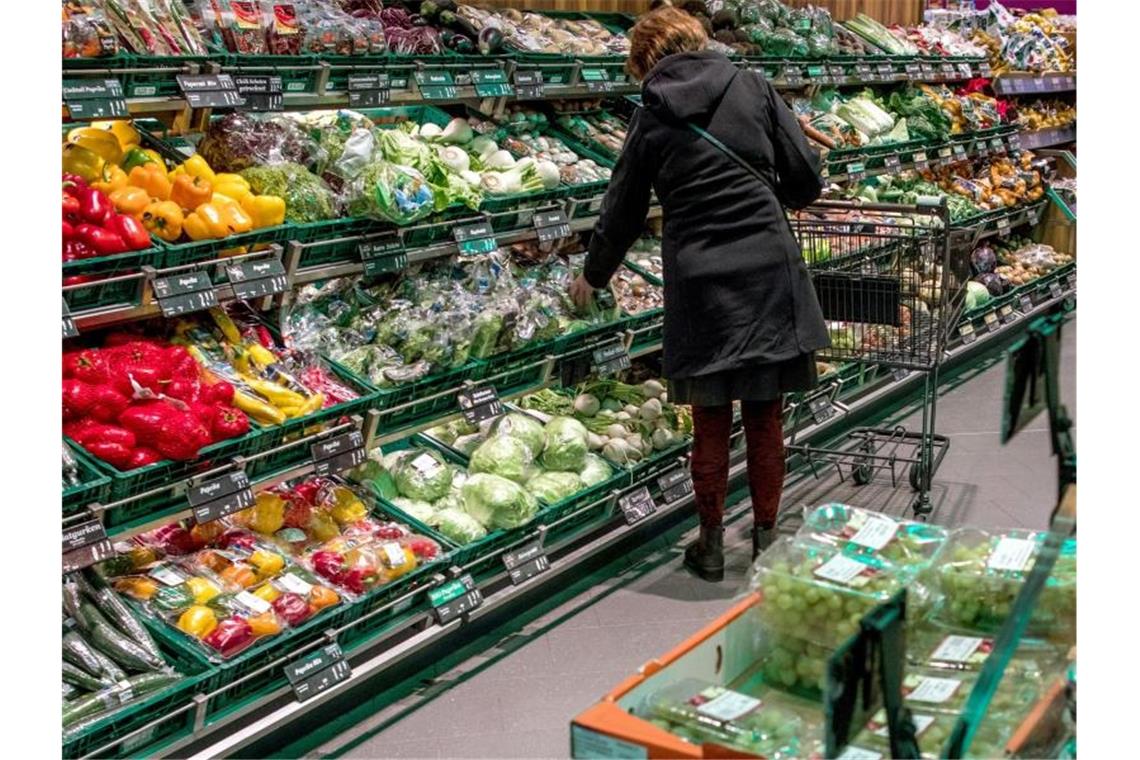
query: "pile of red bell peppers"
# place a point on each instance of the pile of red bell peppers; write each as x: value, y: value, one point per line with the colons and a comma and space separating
x: 92, y: 228
x: 138, y: 401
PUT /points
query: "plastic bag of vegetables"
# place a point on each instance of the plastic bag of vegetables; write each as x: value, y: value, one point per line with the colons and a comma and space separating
x: 566, y: 445
x: 504, y: 455
x: 385, y: 191
x: 497, y: 502
x: 307, y: 197
x: 422, y: 474
x: 238, y: 141
x: 553, y: 487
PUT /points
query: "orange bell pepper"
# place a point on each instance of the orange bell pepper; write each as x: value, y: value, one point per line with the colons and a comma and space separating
x: 190, y: 192
x: 163, y: 219
x: 265, y: 624
x: 111, y: 178
x: 321, y: 597
x: 153, y: 179
x: 130, y: 200
x: 239, y: 575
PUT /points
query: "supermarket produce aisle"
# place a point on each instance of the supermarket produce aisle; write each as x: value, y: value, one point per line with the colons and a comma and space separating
x: 517, y: 697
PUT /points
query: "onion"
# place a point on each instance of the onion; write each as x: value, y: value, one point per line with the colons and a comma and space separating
x: 650, y: 410
x: 616, y: 431
x: 587, y: 404
x: 595, y: 442
x: 652, y: 389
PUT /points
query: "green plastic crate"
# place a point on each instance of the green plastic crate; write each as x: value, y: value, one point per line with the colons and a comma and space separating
x: 94, y: 486
x: 198, y: 251
x: 412, y: 403
x: 648, y: 327
x: 299, y: 73
x: 334, y: 241
x: 109, y: 290
x: 521, y: 367
x: 142, y: 76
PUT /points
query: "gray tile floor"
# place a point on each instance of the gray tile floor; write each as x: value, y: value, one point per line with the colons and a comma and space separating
x: 516, y: 700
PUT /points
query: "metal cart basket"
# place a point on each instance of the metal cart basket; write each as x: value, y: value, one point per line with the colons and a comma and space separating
x: 890, y: 281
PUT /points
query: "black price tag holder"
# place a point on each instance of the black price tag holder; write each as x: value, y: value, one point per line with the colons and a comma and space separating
x: 317, y: 672
x: 892, y: 163
x: 475, y: 239
x: 1006, y: 314
x: 383, y: 255
x: 920, y: 160
x: 991, y: 320
x: 636, y: 505
x: 339, y: 453
x: 969, y: 335
x: 220, y: 496
x: 529, y: 84
x: 526, y: 562
x: 491, y: 83
x: 864, y: 72
x: 551, y: 225
x: 88, y: 99
x: 85, y: 543
x: 821, y: 408
x: 675, y: 484
x: 184, y: 293
x: 455, y: 598
x: 210, y: 90
x: 610, y: 359
x: 479, y: 403
x: 856, y: 171
x: 369, y: 90
x: 69, y: 328
x: 260, y: 93
x: 436, y: 84
x: 256, y: 279
x: 597, y: 80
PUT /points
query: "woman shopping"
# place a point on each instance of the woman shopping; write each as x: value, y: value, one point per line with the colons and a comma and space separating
x: 724, y: 155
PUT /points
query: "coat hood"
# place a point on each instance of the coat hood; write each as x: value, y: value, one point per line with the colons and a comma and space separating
x: 685, y: 85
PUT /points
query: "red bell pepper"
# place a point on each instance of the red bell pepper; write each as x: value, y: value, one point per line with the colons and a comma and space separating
x: 390, y: 532
x: 359, y: 579
x: 308, y: 490
x: 130, y: 230
x: 115, y: 434
x: 71, y: 209
x: 181, y: 436
x: 298, y: 512
x: 115, y: 454
x: 237, y: 539
x: 292, y: 608
x: 77, y: 249
x: 143, y: 456
x: 79, y: 279
x: 230, y: 636
x: 186, y: 390
x: 329, y: 565
x: 424, y: 548
x: 174, y: 539
x: 228, y: 422
x: 78, y: 398
x: 145, y: 420
x: 94, y: 206
x: 88, y: 365
x: 109, y: 404
x: 73, y: 184
x: 105, y: 242
x: 82, y: 430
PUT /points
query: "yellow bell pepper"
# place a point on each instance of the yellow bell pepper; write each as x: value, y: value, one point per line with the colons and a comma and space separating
x: 268, y: 513
x: 202, y: 589
x: 123, y: 131
x: 112, y: 179
x: 211, y: 221
x: 266, y: 591
x: 131, y: 201
x: 83, y: 162
x: 198, y: 621
x: 231, y: 185
x: 99, y: 141
x: 163, y: 219
x: 266, y: 210
x: 348, y: 508
x: 266, y: 563
x: 196, y: 166
x: 152, y: 178
x: 265, y: 624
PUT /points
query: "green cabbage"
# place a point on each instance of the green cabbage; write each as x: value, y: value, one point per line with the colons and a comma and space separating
x: 596, y: 470
x: 458, y: 526
x: 523, y: 427
x: 422, y: 475
x: 503, y: 455
x: 497, y: 502
x: 415, y: 509
x: 566, y: 445
x: 553, y: 487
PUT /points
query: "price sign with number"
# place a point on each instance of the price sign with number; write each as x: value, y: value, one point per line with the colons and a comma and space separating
x: 526, y: 562
x: 821, y: 409
x: 1002, y: 226
x: 491, y: 83
x: 260, y: 93
x: 217, y: 497
x: 864, y: 72
x: 551, y: 225
x: 1055, y: 289
x: 959, y: 151
x: 637, y: 505
x: 792, y: 75
x: 947, y: 70
x: 184, y: 293
x: 1026, y: 303
x: 317, y: 672
x: 981, y: 148
x: 1014, y: 141
x: 209, y: 90
x: 965, y: 70
x: 968, y: 334
x: 856, y: 171
x: 891, y: 163
x: 885, y: 71
x: 1006, y: 314
x: 984, y: 69
x: 610, y: 359
x: 382, y: 255
x: 473, y: 239
x: 455, y: 599
x: 597, y: 80
x: 436, y: 84
x: 369, y: 90
x: 920, y: 160
x: 997, y: 145
x: 94, y: 99
x: 928, y: 70
x: 944, y: 155
x: 339, y: 453
x: 838, y: 75
x: 84, y: 544
x: 817, y: 74
x: 991, y: 321
x: 257, y: 279
x: 528, y: 84
x: 675, y: 484
x: 69, y: 328
x: 478, y: 404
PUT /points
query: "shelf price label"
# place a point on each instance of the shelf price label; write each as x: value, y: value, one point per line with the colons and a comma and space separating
x: 991, y: 321
x: 1014, y: 141
x: 209, y: 90
x: 965, y: 70
x: 637, y: 505
x: 317, y: 672
x: 369, y: 90
x: 382, y: 255
x: 892, y: 163
x: 436, y: 84
x: 1055, y: 289
x: 817, y: 74
x: 455, y: 599
x: 474, y: 239
x: 675, y: 484
x: 944, y: 155
x: 864, y: 72
x: 1006, y: 314
x: 838, y: 75
x: 1026, y: 303
x: 491, y: 83
x: 984, y: 69
x: 85, y: 544
x: 967, y: 333
x: 927, y: 70
x: 947, y: 69
x: 885, y: 72
x: 997, y: 146
x: 528, y: 84
x: 899, y: 373
x: 920, y: 160
x: 792, y: 75
x: 69, y: 328
x: 551, y: 225
x: 526, y: 562
x: 821, y: 409
x: 981, y: 148
x: 256, y: 279
x: 260, y: 93
x: 913, y: 70
x: 1002, y: 226
x: 597, y: 80
x: 959, y: 151
x: 88, y: 99
x: 478, y: 404
x: 856, y: 171
x: 184, y: 293
x: 610, y: 359
x: 339, y: 453
x: 217, y: 497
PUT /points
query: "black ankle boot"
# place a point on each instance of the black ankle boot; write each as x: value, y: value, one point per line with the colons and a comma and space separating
x: 762, y: 538
x: 705, y: 556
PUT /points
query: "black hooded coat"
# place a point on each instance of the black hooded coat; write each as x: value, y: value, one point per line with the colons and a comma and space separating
x: 737, y: 292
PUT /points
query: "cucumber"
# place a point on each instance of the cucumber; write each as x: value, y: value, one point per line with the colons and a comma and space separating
x: 115, y: 645
x: 113, y: 672
x: 87, y: 708
x: 72, y: 598
x: 77, y: 677
x: 71, y: 691
x: 78, y: 653
x: 120, y: 616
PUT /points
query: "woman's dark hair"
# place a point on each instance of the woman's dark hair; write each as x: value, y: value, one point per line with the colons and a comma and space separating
x: 659, y: 33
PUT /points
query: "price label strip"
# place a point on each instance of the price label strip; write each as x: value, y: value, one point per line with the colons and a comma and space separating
x: 526, y: 562
x: 383, y: 256
x: 478, y: 404
x: 1026, y: 303
x: 209, y: 90
x: 474, y: 239
x: 1006, y: 314
x: 637, y: 505
x: 256, y: 279
x: 997, y: 145
x: 947, y: 70
x: 369, y: 90
x: 85, y: 544
x: 967, y: 333
x: 927, y: 70
x: 818, y: 74
x: 215, y: 498
x: 597, y: 80
x: 675, y: 484
x: 856, y: 171
x: 838, y: 75
x: 885, y: 71
x: 317, y: 672
x: 959, y: 152
x: 436, y: 85
x: 551, y: 225
x: 863, y: 72
x: 529, y: 84
x: 184, y: 293
x: 337, y: 454
x: 991, y: 321
x: 69, y: 328
x: 455, y: 599
x: 610, y: 359
x: 821, y: 409
x: 1055, y: 289
x: 892, y: 163
x: 913, y: 70
x: 491, y: 83
x: 1002, y: 226
x: 260, y: 93
x: 945, y: 154
x: 88, y: 99
x: 920, y: 160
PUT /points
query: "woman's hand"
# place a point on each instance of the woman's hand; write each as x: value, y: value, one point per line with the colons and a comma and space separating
x: 581, y: 292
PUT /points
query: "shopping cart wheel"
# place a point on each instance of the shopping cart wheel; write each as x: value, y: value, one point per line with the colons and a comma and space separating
x: 861, y: 473
x: 916, y: 476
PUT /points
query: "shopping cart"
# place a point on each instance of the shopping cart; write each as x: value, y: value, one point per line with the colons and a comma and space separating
x: 891, y: 282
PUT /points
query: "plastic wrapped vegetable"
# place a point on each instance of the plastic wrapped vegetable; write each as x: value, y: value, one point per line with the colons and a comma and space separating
x: 307, y: 197
x: 595, y: 470
x: 553, y: 487
x: 503, y: 455
x: 567, y: 443
x: 416, y: 509
x: 523, y: 427
x: 458, y: 526
x: 239, y: 141
x: 422, y: 475
x: 497, y: 502
x: 398, y: 194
